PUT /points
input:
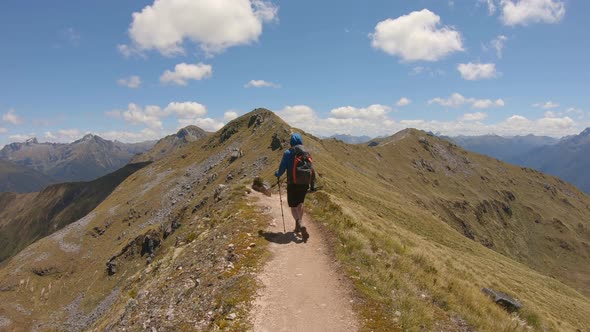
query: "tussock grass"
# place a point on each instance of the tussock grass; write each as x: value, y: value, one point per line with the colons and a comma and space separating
x: 405, y: 257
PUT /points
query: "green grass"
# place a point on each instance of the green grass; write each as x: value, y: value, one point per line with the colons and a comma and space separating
x: 404, y: 253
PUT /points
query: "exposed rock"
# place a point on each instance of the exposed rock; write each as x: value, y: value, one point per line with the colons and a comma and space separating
x: 277, y: 142
x: 45, y: 271
x: 98, y: 231
x: 261, y: 186
x: 509, y: 303
x: 228, y: 132
x: 231, y: 316
x: 255, y: 120
x: 423, y: 164
x: 236, y: 153
x: 150, y: 243
x: 5, y: 322
x: 219, y: 191
x: 200, y: 205
x: 112, y: 267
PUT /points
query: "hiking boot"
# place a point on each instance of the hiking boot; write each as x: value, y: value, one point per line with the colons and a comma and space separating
x: 304, y: 234
x: 298, y: 226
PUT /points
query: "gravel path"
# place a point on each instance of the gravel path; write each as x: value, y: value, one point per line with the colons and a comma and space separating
x: 302, y: 289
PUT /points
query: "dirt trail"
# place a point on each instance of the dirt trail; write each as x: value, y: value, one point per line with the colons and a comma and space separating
x: 302, y: 290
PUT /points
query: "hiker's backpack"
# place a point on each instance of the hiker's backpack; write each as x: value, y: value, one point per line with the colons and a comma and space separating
x: 302, y: 171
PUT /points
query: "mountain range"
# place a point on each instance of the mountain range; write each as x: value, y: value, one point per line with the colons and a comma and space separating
x: 350, y: 139
x: 417, y: 225
x: 568, y: 157
x: 83, y: 160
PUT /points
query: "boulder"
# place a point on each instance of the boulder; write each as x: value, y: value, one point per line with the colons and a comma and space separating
x: 277, y: 142
x: 508, y: 302
x: 261, y: 186
x: 112, y: 267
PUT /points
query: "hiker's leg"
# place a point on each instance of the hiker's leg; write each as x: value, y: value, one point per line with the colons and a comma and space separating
x: 295, y: 212
x: 300, y: 211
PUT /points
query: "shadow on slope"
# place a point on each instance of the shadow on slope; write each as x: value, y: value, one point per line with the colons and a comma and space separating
x: 25, y: 218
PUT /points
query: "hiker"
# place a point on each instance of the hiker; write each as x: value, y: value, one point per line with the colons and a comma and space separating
x: 298, y: 164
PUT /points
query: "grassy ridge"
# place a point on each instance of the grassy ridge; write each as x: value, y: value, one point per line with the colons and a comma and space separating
x: 407, y: 255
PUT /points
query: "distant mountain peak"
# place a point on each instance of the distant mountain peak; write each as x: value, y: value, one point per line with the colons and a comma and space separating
x: 586, y: 132
x: 190, y: 131
x: 32, y: 141
x: 89, y: 138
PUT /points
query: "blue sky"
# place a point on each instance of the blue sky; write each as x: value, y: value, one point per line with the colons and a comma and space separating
x: 364, y: 68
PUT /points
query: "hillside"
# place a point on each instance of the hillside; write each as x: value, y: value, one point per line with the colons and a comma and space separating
x: 171, y: 143
x: 568, y: 159
x: 24, y: 218
x: 15, y: 178
x: 83, y: 160
x: 418, y: 225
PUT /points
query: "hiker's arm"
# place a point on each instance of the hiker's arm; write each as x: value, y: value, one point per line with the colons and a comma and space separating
x: 283, y: 166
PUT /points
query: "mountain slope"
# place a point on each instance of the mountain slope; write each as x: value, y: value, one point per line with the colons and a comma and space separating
x: 173, y: 214
x: 83, y: 160
x: 25, y: 218
x: 171, y: 143
x: 418, y: 225
x: 15, y: 178
x: 569, y: 159
x: 393, y: 200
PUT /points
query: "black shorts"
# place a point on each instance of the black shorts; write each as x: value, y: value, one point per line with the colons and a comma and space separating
x: 296, y: 193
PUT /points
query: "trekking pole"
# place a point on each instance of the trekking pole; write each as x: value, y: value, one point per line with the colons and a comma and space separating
x: 281, y: 199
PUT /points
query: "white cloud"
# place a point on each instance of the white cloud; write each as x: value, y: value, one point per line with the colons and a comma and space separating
x: 261, y: 84
x: 11, y: 117
x: 304, y: 117
x: 490, y: 4
x: 477, y: 116
x: 498, y: 44
x: 403, y: 102
x: 416, y: 36
x: 149, y: 117
x: 550, y: 114
x: 524, y: 12
x: 146, y: 134
x: 69, y: 36
x: 184, y: 72
x: 477, y: 71
x: 132, y: 82
x: 230, y: 115
x: 487, y: 103
x: 21, y: 137
x: 206, y: 124
x: 372, y: 112
x: 63, y: 135
x: 418, y: 70
x: 457, y: 100
x: 3, y: 130
x: 546, y: 105
x: 214, y: 25
x: 129, y: 51
x: 186, y: 109
x: 186, y: 113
